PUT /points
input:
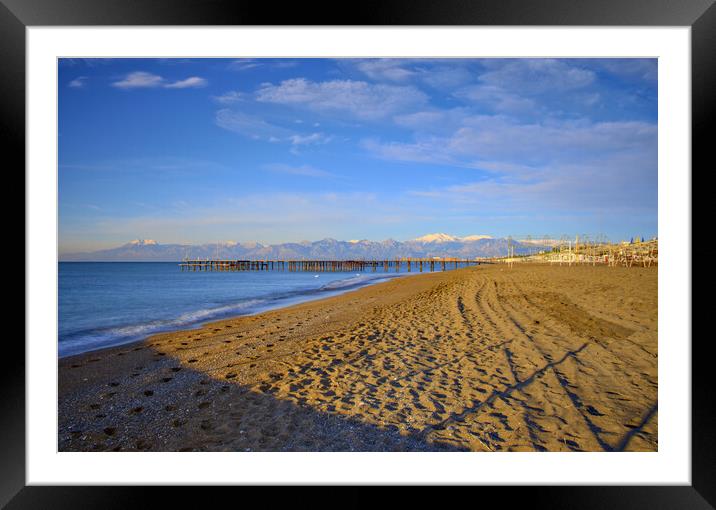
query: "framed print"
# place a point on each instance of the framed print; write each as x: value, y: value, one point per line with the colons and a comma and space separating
x: 425, y: 245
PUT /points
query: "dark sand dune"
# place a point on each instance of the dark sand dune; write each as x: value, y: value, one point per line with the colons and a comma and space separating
x: 531, y: 358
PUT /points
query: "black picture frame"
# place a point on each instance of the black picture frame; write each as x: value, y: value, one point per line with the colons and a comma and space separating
x: 700, y: 15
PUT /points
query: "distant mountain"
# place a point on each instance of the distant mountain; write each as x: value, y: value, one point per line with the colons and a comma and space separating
x: 445, y: 238
x: 143, y: 242
x: 432, y: 245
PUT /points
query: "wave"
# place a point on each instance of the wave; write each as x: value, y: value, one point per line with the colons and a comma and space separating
x: 92, y: 339
x: 77, y: 342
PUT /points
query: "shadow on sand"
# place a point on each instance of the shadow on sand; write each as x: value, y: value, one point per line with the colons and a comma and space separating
x: 169, y: 407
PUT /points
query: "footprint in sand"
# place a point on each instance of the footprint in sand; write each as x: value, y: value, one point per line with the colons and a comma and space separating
x: 141, y: 444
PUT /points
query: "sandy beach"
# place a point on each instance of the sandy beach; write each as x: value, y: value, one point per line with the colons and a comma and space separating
x: 487, y: 358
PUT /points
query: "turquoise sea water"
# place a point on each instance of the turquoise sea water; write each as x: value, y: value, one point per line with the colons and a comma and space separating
x: 102, y: 304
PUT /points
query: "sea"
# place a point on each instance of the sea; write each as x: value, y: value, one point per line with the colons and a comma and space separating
x: 104, y: 304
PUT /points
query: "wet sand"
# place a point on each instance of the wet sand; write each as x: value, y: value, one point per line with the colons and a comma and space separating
x: 488, y: 358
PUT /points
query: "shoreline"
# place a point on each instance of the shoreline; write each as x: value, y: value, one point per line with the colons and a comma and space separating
x: 278, y: 302
x: 219, y: 321
x: 476, y: 359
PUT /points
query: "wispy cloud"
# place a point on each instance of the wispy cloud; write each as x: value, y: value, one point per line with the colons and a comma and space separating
x: 446, y: 76
x: 250, y: 126
x: 501, y: 138
x: 246, y: 64
x: 303, y: 170
x: 243, y: 64
x: 257, y: 128
x: 385, y: 70
x: 230, y: 97
x: 437, y: 74
x: 78, y: 83
x: 191, y: 82
x: 535, y: 76
x: 141, y: 79
x: 498, y: 99
x: 434, y: 120
x: 310, y: 139
x: 639, y: 69
x: 251, y: 216
x: 360, y: 99
x: 618, y: 183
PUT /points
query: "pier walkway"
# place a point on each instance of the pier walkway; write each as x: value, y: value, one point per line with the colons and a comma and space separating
x: 397, y: 265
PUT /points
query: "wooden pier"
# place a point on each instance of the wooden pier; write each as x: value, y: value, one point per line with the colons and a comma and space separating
x: 333, y: 266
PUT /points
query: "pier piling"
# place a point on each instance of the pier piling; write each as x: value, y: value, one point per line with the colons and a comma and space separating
x: 324, y: 265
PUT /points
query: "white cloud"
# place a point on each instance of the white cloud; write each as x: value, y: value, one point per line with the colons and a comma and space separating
x: 257, y: 128
x: 497, y: 99
x: 230, y: 97
x: 310, y: 139
x: 298, y: 141
x: 514, y: 86
x: 433, y: 121
x: 535, y: 76
x: 78, y: 82
x: 385, y: 70
x: 425, y: 151
x: 243, y: 64
x: 438, y: 75
x: 498, y: 138
x: 141, y: 79
x: 250, y: 126
x: 446, y: 77
x: 357, y: 98
x: 191, y: 82
x: 632, y: 68
x: 560, y: 165
x: 616, y: 182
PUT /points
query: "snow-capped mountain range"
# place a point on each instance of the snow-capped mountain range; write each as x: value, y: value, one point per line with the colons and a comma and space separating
x: 446, y: 238
x: 431, y: 245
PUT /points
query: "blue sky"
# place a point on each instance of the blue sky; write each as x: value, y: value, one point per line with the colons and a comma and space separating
x: 278, y: 150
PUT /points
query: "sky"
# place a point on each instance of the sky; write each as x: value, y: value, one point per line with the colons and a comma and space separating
x: 284, y: 150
